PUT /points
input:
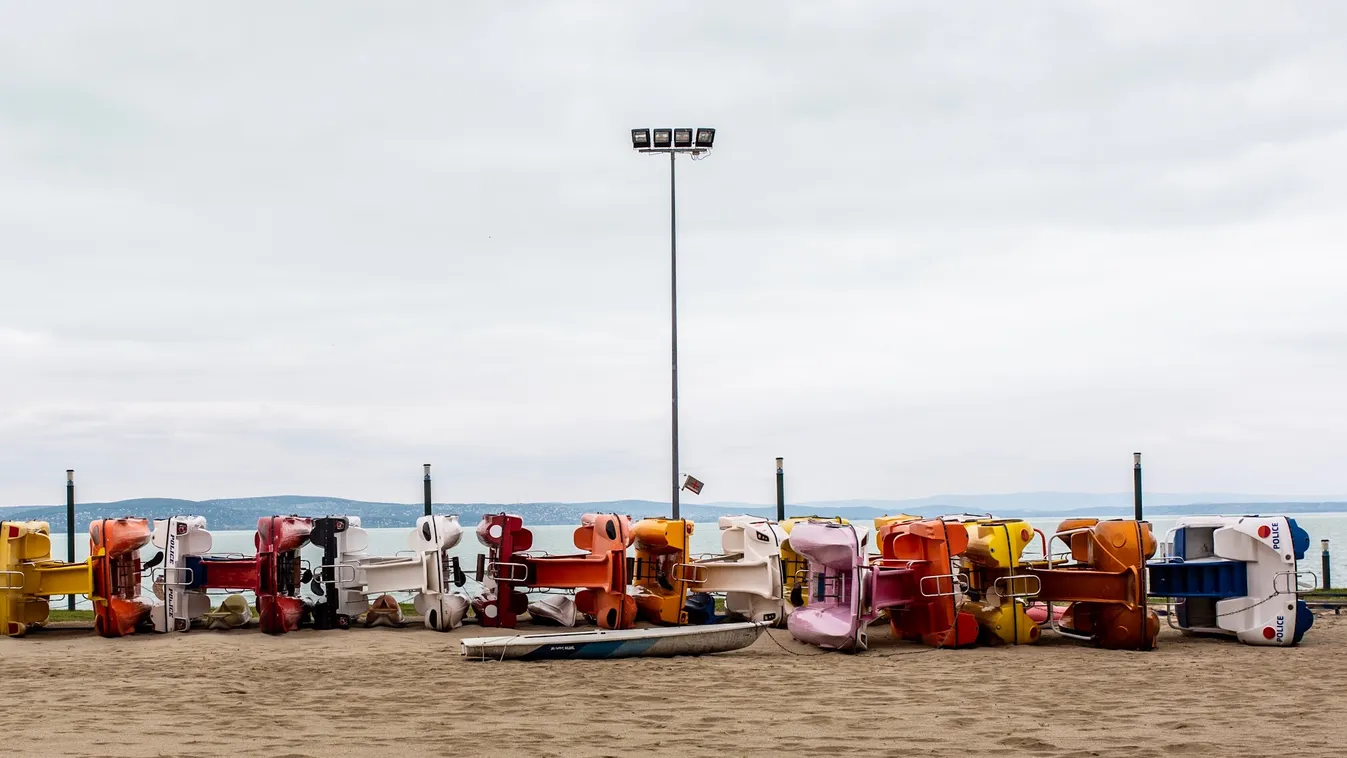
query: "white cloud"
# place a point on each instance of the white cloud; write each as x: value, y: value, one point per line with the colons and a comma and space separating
x: 938, y: 249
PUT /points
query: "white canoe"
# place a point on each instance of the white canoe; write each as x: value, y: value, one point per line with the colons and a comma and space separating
x: 614, y: 643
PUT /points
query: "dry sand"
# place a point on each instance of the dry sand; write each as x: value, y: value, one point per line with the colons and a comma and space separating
x: 407, y: 692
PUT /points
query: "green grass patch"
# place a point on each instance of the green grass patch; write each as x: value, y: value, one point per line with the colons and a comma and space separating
x: 1337, y: 593
x: 66, y: 615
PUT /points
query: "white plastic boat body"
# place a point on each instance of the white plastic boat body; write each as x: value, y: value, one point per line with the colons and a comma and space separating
x: 178, y: 537
x: 426, y: 571
x: 749, y: 571
x: 1235, y: 576
x: 659, y: 642
x: 559, y: 609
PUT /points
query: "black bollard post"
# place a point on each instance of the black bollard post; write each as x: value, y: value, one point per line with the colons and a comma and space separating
x: 1328, y: 576
x: 427, y: 465
x: 780, y: 490
x: 70, y: 524
x: 1136, y: 485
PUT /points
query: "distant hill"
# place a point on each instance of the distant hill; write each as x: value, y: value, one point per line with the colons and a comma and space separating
x: 242, y: 513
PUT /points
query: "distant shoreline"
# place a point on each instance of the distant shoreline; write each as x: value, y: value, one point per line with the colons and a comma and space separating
x: 242, y: 513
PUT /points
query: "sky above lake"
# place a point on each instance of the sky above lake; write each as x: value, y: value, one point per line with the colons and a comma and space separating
x: 982, y: 247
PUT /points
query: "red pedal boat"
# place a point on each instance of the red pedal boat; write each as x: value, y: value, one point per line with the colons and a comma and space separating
x: 274, y: 573
x: 599, y: 573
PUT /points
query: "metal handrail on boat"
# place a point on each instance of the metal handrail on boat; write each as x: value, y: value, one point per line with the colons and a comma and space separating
x: 518, y: 571
x: 898, y: 563
x: 958, y: 585
x: 160, y: 575
x: 699, y: 573
x: 1069, y: 633
x: 1010, y: 592
x: 1293, y: 583
x: 1061, y: 535
x: 336, y: 573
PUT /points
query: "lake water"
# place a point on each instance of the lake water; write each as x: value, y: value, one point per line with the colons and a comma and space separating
x: 705, y: 539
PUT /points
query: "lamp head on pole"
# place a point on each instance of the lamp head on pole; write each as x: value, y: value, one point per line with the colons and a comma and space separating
x: 1324, y: 544
x: 696, y: 142
x: 427, y: 466
x: 70, y: 476
x: 1136, y: 459
x: 779, y: 461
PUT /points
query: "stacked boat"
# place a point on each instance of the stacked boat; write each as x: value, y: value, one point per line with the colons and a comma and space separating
x: 945, y: 582
x: 184, y: 571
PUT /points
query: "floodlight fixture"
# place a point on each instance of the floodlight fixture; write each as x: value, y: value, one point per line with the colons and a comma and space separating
x: 682, y: 138
x: 705, y: 136
x: 640, y: 139
x: 663, y: 137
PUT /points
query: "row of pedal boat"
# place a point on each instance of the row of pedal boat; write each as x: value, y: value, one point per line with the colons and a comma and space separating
x: 950, y: 582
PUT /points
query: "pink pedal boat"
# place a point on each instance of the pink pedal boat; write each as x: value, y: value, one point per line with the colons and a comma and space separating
x: 912, y: 579
x: 834, y: 616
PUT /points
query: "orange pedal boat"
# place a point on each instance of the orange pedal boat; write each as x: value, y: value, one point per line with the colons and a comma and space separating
x: 599, y: 573
x: 1101, y: 579
x: 929, y: 547
x: 114, y: 553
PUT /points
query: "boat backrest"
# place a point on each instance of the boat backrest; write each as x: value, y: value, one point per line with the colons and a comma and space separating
x: 435, y: 533
x: 30, y: 540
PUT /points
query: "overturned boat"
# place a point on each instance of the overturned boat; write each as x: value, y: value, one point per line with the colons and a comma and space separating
x: 178, y: 538
x: 348, y: 576
x: 912, y: 580
x: 598, y: 574
x: 110, y: 576
x: 273, y: 574
x: 657, y: 570
x: 1099, y: 579
x: 1235, y: 576
x: 748, y: 571
x: 659, y: 642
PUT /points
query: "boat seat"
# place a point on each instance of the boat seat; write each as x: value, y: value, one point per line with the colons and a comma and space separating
x: 1200, y: 578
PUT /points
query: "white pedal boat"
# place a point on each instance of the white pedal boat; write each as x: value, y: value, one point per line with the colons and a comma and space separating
x: 749, y: 571
x: 427, y: 571
x: 178, y: 537
x: 656, y: 642
x: 1235, y: 576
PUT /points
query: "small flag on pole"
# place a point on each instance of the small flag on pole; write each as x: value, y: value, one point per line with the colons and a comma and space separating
x: 692, y: 483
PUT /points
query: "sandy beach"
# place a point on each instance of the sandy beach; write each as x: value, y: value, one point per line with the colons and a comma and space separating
x: 408, y: 692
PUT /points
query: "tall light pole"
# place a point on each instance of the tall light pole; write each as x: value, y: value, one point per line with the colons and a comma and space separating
x: 697, y: 143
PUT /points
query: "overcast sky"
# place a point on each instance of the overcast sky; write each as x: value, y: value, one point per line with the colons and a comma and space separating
x: 939, y: 248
